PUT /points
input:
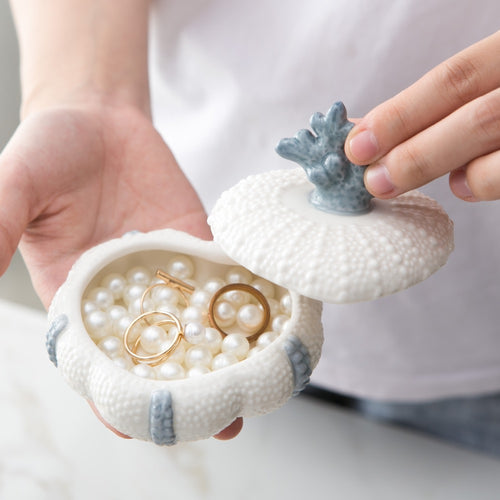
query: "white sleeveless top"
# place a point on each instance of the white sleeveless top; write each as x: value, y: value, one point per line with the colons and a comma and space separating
x: 229, y: 79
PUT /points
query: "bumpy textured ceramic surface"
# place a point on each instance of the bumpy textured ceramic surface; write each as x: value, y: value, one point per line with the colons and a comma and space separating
x: 167, y: 412
x: 266, y: 223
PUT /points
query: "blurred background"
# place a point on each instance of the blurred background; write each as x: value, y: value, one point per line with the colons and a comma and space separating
x: 15, y: 284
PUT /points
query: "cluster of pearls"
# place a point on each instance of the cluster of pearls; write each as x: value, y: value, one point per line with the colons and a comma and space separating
x: 109, y: 309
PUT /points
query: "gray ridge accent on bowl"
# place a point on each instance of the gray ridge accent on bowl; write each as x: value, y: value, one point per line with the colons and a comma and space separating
x: 300, y: 360
x: 161, y: 418
x: 56, y: 328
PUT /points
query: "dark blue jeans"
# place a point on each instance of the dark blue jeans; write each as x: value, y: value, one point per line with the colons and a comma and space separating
x: 473, y: 422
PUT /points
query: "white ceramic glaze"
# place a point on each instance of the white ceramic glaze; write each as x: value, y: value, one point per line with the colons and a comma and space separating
x: 202, y: 405
x: 266, y: 223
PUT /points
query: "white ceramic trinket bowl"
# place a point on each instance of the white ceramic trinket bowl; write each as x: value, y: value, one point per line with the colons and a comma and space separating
x: 196, y: 407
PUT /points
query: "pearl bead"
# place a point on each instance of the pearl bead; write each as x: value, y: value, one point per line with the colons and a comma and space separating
x: 237, y: 298
x: 102, y: 297
x: 198, y: 370
x: 286, y: 304
x: 194, y: 333
x: 200, y: 299
x: 265, y: 287
x: 253, y: 351
x: 115, y: 283
x: 198, y: 355
x: 121, y: 324
x: 170, y: 371
x: 249, y: 318
x: 153, y: 339
x: 98, y: 324
x: 164, y: 295
x: 123, y: 362
x: 279, y: 322
x: 111, y: 346
x: 143, y: 370
x: 213, y: 339
x: 223, y: 360
x: 133, y: 292
x: 274, y: 307
x: 178, y: 355
x: 192, y: 314
x: 115, y: 312
x: 266, y: 338
x: 238, y: 275
x: 181, y: 267
x: 169, y: 308
x: 88, y: 306
x: 134, y: 307
x: 237, y: 344
x: 138, y: 276
x: 224, y: 313
x: 213, y: 284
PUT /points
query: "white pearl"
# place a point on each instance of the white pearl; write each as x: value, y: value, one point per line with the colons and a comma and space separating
x: 164, y: 295
x: 192, y: 314
x: 223, y: 360
x: 213, y: 339
x: 169, y: 308
x: 98, y: 324
x: 237, y: 344
x: 115, y: 283
x: 237, y: 298
x: 213, y: 284
x: 253, y: 351
x: 181, y: 267
x: 194, y: 332
x: 198, y: 355
x: 88, y: 306
x: 238, y: 275
x: 225, y: 314
x: 265, y: 287
x: 274, y: 307
x: 134, y: 307
x: 124, y: 362
x: 144, y: 371
x: 178, y: 354
x: 115, y: 312
x: 121, y: 324
x: 200, y: 299
x: 249, y: 318
x: 153, y: 339
x: 266, y: 338
x: 170, y: 371
x: 133, y: 292
x: 198, y: 370
x: 279, y: 322
x: 111, y: 346
x: 138, y: 276
x: 102, y: 297
x: 286, y: 304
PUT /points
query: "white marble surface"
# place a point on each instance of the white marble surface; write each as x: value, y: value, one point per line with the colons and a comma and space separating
x: 52, y: 447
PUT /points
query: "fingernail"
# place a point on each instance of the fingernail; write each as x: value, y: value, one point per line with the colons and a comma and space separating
x: 378, y: 181
x: 461, y: 186
x: 364, y: 146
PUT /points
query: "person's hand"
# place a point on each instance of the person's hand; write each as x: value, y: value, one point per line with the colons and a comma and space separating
x: 73, y: 177
x: 447, y: 122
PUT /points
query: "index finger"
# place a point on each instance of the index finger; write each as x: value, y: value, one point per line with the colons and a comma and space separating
x: 469, y: 74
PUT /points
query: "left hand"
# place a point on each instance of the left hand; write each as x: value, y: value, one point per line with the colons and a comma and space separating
x: 446, y: 122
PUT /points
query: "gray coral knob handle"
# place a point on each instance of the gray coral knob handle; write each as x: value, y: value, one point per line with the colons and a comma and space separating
x: 339, y: 183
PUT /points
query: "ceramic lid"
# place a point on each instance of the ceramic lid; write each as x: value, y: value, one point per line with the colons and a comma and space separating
x: 271, y: 224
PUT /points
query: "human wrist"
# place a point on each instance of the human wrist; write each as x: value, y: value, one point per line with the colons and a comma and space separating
x: 79, y: 50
